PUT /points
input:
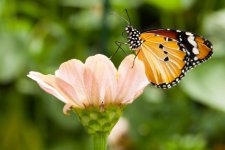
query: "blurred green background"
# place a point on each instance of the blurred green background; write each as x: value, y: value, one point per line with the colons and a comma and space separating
x: 40, y: 35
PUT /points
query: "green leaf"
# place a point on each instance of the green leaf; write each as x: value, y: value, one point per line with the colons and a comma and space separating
x: 206, y: 84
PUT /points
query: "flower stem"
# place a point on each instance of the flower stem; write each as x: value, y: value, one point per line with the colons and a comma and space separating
x: 100, y: 141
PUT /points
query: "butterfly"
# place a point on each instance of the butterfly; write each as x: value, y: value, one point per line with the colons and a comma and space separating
x: 168, y: 54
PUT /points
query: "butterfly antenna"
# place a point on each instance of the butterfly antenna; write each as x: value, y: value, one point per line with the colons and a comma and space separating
x: 128, y: 17
x: 120, y: 17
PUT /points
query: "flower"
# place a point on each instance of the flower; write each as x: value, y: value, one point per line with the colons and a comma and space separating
x: 95, y: 83
x: 96, y: 91
x: 119, y: 138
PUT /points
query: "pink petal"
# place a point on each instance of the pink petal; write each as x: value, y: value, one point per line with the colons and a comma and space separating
x: 100, y: 79
x: 54, y: 86
x: 72, y: 73
x: 67, y: 108
x: 91, y: 88
x: 131, y: 81
x: 47, y: 83
x: 69, y: 92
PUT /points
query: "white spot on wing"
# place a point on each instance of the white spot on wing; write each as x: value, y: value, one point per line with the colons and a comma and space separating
x: 188, y: 33
x: 192, y: 41
x: 195, y: 51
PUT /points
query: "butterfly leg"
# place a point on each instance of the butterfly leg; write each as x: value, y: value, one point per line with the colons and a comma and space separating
x: 119, y: 47
x: 135, y: 57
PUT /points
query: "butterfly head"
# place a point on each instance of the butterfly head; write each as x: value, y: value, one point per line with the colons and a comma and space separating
x: 133, y: 37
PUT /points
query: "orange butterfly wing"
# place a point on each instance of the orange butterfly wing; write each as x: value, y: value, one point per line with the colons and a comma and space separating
x: 168, y: 54
x: 163, y: 60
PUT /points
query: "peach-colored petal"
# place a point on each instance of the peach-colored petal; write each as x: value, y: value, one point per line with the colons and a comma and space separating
x: 119, y: 131
x: 91, y: 88
x: 54, y: 86
x: 72, y: 72
x: 47, y: 83
x: 71, y: 95
x: 100, y: 76
x: 67, y: 108
x: 131, y: 80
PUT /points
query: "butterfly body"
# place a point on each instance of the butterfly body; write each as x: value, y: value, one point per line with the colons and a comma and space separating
x: 168, y: 54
